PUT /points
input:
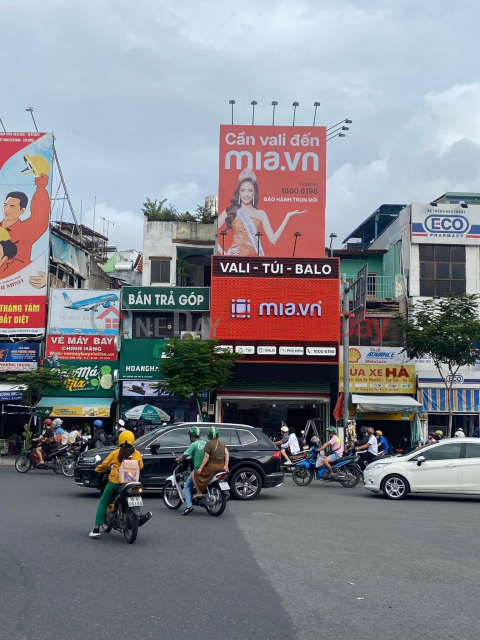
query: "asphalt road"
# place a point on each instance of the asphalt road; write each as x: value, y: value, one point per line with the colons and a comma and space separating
x: 300, y: 562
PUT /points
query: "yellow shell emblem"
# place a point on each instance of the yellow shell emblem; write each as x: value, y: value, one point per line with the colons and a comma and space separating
x: 36, y: 165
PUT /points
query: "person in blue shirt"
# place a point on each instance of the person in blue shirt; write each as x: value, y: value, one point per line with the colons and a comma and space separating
x: 383, y: 447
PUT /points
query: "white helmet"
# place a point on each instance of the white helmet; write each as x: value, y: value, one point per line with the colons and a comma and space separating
x: 315, y: 439
x: 121, y: 423
x: 284, y: 429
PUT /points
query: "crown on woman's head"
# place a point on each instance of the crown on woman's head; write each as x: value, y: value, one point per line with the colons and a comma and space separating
x: 247, y: 173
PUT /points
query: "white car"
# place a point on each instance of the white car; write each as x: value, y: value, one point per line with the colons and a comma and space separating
x: 448, y: 466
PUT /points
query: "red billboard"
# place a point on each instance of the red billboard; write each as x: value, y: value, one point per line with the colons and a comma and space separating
x: 280, y: 309
x: 80, y: 347
x: 272, y: 191
x: 25, y: 184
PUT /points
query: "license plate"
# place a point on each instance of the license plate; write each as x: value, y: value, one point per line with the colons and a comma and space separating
x: 224, y: 486
x: 135, y: 502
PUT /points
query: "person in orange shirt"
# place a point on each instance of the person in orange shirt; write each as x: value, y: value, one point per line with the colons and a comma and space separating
x: 24, y: 233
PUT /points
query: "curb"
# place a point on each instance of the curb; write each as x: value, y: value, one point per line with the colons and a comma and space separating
x: 7, y: 462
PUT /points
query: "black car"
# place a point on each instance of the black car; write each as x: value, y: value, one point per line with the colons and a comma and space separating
x: 254, y: 459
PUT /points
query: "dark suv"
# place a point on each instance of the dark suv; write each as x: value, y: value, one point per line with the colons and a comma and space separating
x: 254, y: 459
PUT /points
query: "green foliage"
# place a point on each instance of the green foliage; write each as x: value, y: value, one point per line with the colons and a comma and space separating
x: 186, y: 217
x: 204, y: 215
x: 192, y: 367
x: 446, y: 329
x: 184, y: 274
x: 27, y: 436
x: 158, y: 211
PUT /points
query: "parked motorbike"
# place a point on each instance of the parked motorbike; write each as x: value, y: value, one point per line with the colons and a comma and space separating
x: 29, y: 460
x: 214, y: 501
x: 74, y: 452
x: 345, y: 471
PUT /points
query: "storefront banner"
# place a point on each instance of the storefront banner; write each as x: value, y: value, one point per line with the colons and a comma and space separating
x: 277, y: 309
x: 84, y: 312
x: 166, y: 299
x: 87, y: 378
x: 20, y: 356
x: 385, y: 416
x: 11, y: 392
x: 377, y: 355
x: 137, y: 388
x: 58, y: 410
x: 272, y: 181
x: 445, y: 224
x: 81, y: 348
x: 380, y: 379
x: 140, y: 359
x: 25, y: 185
x: 465, y: 377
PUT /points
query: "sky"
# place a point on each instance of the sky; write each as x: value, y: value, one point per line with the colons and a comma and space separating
x: 135, y: 94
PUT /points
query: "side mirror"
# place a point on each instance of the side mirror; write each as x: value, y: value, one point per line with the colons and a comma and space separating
x: 98, y: 459
x: 420, y: 459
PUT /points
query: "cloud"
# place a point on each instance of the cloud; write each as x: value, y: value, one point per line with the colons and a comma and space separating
x: 125, y: 233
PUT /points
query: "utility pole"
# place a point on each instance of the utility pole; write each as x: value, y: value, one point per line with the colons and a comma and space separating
x: 347, y: 287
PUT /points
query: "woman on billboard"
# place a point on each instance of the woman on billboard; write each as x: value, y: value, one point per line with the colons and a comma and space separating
x: 244, y: 219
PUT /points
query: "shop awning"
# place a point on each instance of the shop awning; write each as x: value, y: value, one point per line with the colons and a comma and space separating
x: 461, y: 400
x: 386, y: 404
x: 10, y: 392
x: 58, y: 407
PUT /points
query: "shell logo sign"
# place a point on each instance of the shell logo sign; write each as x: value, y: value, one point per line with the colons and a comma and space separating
x: 354, y: 355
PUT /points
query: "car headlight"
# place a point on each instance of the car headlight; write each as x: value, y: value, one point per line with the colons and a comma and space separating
x: 377, y: 465
x: 89, y: 459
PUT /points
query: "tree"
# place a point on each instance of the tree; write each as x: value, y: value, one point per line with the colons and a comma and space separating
x: 157, y: 211
x: 184, y: 273
x: 446, y: 329
x: 39, y: 380
x: 204, y: 215
x: 192, y: 367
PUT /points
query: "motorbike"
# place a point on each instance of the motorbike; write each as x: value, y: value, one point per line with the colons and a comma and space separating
x: 75, y: 450
x: 345, y: 471
x: 30, y: 460
x: 124, y: 514
x: 294, y: 458
x: 214, y: 501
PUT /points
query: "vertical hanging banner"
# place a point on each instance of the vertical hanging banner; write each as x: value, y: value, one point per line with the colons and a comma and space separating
x: 272, y: 191
x: 25, y: 184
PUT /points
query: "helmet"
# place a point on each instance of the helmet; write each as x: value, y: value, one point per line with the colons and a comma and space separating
x: 57, y: 421
x: 379, y: 433
x: 47, y: 421
x: 36, y: 165
x: 98, y: 423
x: 284, y: 429
x: 194, y: 431
x: 121, y: 423
x: 332, y: 429
x: 126, y: 437
x: 212, y: 433
x: 315, y: 439
x: 364, y: 429
x: 439, y: 432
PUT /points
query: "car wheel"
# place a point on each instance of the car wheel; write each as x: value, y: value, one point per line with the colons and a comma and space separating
x: 245, y: 484
x: 395, y: 487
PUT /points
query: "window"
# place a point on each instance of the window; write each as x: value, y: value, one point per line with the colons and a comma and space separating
x: 473, y: 450
x: 246, y: 437
x: 227, y: 436
x: 177, y: 438
x: 442, y: 269
x: 159, y: 270
x: 442, y: 452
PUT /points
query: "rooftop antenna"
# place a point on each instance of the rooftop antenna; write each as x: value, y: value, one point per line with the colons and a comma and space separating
x: 107, y: 223
x: 31, y: 113
x: 94, y: 207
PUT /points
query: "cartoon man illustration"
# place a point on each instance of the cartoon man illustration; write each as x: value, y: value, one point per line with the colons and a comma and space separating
x: 24, y: 233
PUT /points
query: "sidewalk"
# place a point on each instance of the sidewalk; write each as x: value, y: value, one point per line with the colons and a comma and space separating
x: 7, y: 461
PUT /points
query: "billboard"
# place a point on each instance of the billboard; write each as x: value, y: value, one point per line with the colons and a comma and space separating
x: 165, y: 299
x: 380, y: 379
x: 133, y: 388
x: 272, y: 186
x: 81, y: 347
x: 445, y: 224
x: 87, y: 378
x: 277, y: 309
x: 140, y: 360
x: 25, y: 185
x: 84, y: 312
x: 20, y: 356
x: 377, y: 355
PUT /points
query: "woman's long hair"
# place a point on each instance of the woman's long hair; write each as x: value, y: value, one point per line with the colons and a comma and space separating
x: 126, y: 450
x: 234, y: 205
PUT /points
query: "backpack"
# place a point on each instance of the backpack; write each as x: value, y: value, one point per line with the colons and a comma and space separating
x: 129, y: 471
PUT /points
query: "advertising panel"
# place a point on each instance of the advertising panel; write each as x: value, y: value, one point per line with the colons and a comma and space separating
x: 87, y: 378
x: 139, y: 388
x: 25, y: 184
x: 140, y: 360
x: 165, y: 299
x: 380, y: 379
x: 21, y: 356
x: 445, y: 224
x: 377, y: 355
x: 84, y: 312
x: 81, y: 348
x: 88, y: 410
x: 277, y: 309
x: 272, y: 186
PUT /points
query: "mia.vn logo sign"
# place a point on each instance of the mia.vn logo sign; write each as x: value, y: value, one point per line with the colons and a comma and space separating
x: 241, y: 308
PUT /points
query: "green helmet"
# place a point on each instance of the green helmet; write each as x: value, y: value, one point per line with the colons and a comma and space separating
x: 212, y: 433
x: 194, y: 431
x: 332, y: 429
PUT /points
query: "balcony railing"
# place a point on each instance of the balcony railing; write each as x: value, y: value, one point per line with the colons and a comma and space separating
x: 380, y: 287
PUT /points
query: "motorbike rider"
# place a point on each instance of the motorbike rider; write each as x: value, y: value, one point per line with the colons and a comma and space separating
x: 215, y: 459
x: 288, y: 441
x: 196, y: 450
x: 46, y: 442
x: 112, y: 463
x: 119, y: 427
x: 336, y: 450
x: 100, y: 438
x: 370, y: 449
x: 383, y: 447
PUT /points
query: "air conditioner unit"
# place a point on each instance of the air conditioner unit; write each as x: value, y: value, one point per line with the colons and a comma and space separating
x: 190, y: 334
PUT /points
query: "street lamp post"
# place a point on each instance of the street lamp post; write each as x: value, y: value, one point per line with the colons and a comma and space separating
x: 297, y: 235
x: 258, y: 234
x: 232, y: 102
x: 223, y: 234
x: 274, y: 104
